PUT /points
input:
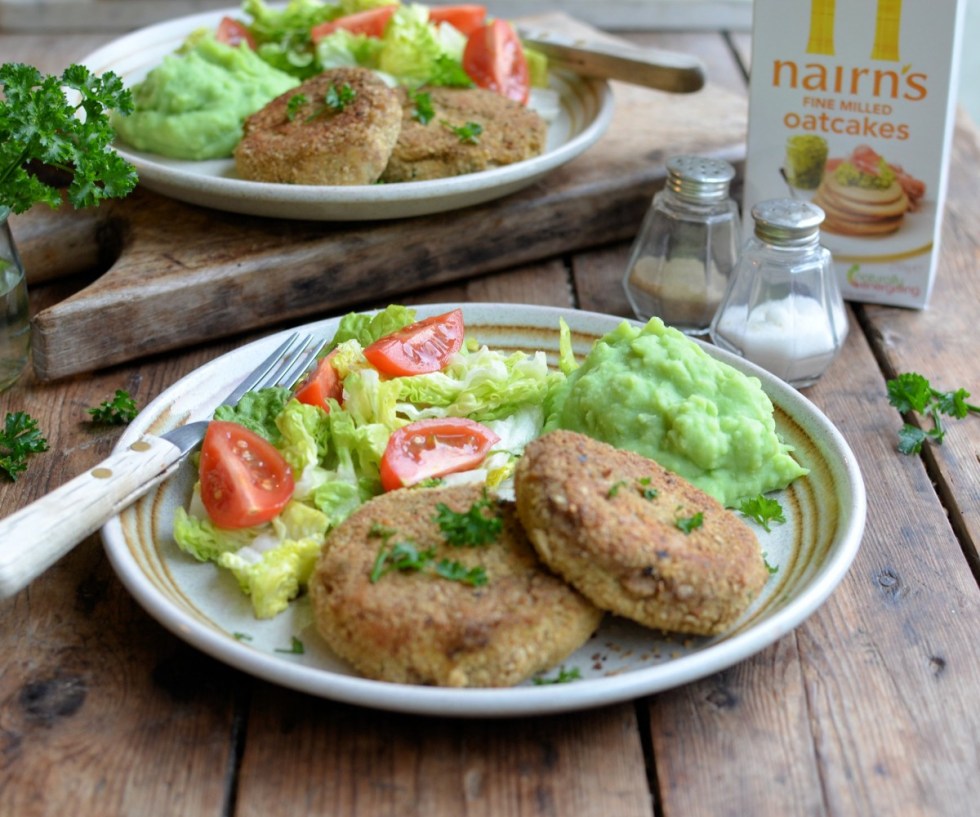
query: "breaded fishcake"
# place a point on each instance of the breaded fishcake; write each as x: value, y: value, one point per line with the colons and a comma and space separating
x: 416, y: 627
x: 608, y: 521
x: 434, y: 150
x: 342, y: 134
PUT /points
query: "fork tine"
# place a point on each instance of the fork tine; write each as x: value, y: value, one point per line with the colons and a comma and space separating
x: 271, y: 364
x: 282, y: 368
x: 292, y: 368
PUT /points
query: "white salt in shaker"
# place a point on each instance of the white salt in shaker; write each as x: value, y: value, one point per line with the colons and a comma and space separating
x: 783, y: 309
x: 683, y: 256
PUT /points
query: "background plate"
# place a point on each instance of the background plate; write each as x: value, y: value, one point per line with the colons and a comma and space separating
x: 825, y: 514
x: 586, y: 107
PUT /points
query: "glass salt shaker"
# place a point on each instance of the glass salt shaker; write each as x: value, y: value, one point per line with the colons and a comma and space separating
x: 783, y: 309
x: 683, y: 256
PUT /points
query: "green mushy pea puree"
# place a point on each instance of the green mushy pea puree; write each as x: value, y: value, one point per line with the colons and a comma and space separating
x: 193, y: 104
x: 656, y: 392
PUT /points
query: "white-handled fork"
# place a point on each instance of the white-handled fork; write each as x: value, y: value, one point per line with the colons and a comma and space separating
x: 36, y: 536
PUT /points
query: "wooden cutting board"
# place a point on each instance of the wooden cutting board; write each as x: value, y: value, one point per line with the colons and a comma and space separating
x: 178, y: 274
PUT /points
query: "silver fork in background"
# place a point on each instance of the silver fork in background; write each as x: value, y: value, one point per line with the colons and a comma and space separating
x: 35, y: 537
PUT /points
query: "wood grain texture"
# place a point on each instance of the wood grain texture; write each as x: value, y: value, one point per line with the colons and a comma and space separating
x: 101, y: 711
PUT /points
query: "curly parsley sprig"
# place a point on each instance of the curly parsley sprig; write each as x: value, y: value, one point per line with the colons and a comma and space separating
x: 118, y: 411
x: 912, y: 392
x: 40, y: 127
x: 19, y: 438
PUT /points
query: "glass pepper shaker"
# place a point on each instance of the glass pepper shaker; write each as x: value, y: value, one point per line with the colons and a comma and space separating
x: 683, y: 256
x: 783, y: 309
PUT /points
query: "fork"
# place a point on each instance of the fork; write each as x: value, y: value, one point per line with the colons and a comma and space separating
x: 35, y: 537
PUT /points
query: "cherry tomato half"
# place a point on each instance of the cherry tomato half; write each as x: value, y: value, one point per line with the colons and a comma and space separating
x: 234, y: 32
x: 433, y: 448
x: 422, y: 347
x: 320, y: 384
x: 244, y: 479
x: 464, y: 18
x: 371, y: 22
x: 493, y: 59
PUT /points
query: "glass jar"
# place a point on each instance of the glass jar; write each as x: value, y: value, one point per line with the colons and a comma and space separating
x: 783, y: 309
x: 683, y: 256
x: 15, y: 321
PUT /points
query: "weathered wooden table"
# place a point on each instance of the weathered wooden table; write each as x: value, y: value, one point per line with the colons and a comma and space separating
x: 871, y: 707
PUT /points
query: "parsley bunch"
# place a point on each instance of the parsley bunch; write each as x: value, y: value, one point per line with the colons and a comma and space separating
x: 39, y: 128
x: 913, y: 392
x: 19, y: 438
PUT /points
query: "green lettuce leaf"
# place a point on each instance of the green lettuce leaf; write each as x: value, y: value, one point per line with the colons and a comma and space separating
x: 274, y: 575
x: 366, y: 329
x: 257, y: 411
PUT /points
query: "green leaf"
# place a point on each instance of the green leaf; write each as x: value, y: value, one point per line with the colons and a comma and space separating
x: 118, y: 411
x: 19, y: 439
x: 909, y: 392
x: 39, y: 126
x: 689, y: 524
x: 564, y: 676
x: 910, y: 439
x: 954, y: 403
x: 454, y: 571
x: 472, y: 528
x: 763, y: 510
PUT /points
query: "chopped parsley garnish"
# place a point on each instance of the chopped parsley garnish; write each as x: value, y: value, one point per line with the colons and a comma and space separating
x: 422, y: 110
x: 687, y: 524
x: 401, y: 556
x: 454, y: 571
x: 913, y: 392
x: 334, y: 100
x: 614, y: 488
x: 294, y: 104
x: 472, y: 528
x: 121, y: 409
x: 405, y: 557
x: 645, y: 490
x: 564, y: 676
x: 642, y: 486
x: 19, y: 439
x: 241, y: 636
x: 295, y: 648
x: 763, y: 510
x: 773, y: 569
x: 468, y: 133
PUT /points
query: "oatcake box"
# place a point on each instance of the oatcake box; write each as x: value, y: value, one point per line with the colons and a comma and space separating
x: 851, y: 106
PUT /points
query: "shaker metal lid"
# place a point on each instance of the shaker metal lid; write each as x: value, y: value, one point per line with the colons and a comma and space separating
x: 698, y: 177
x: 787, y: 221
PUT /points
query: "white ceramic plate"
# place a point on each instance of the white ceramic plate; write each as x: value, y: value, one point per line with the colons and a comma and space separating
x: 586, y: 107
x: 200, y: 603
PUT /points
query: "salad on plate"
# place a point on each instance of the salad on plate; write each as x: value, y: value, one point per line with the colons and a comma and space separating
x: 393, y: 402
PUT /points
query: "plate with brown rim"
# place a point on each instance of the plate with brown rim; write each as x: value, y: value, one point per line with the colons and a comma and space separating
x: 825, y: 517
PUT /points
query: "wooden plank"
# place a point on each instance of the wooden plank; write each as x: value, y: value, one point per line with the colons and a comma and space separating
x: 939, y: 342
x: 103, y: 712
x: 336, y: 759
